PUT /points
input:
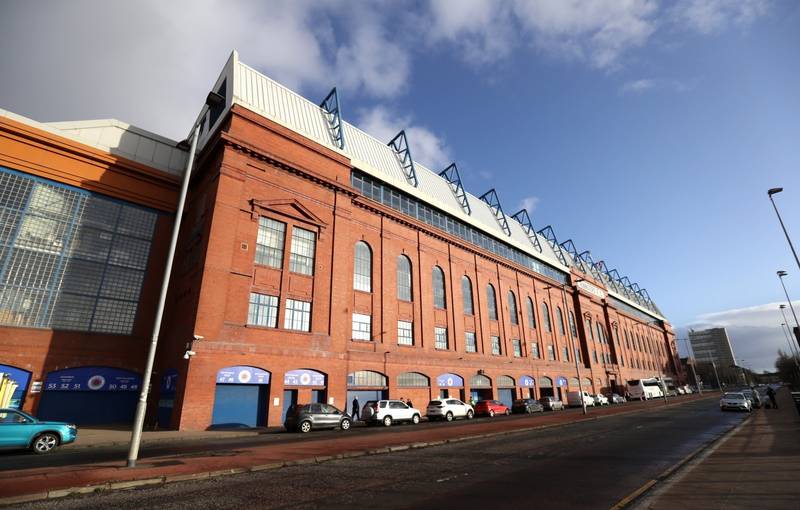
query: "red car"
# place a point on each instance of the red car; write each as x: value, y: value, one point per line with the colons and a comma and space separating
x: 491, y: 408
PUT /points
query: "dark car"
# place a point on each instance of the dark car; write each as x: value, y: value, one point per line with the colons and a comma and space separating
x: 527, y: 405
x: 551, y: 404
x: 491, y: 408
x: 304, y: 417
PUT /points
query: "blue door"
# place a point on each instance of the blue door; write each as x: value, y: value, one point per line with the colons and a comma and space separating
x: 240, y: 405
x: 88, y: 408
x: 318, y: 396
x: 506, y: 396
x: 289, y: 400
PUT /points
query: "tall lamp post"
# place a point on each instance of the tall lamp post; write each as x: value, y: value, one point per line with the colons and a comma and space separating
x: 572, y: 341
x: 691, y: 358
x: 789, y: 329
x: 771, y: 192
x: 781, y: 274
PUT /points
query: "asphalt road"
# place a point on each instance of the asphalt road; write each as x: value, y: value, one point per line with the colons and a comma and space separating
x: 582, y: 465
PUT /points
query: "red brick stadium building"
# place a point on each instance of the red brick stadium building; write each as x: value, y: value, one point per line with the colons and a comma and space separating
x: 316, y: 263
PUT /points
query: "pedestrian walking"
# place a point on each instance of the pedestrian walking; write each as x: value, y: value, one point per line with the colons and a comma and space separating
x: 408, y: 403
x: 355, y: 409
x: 771, y: 395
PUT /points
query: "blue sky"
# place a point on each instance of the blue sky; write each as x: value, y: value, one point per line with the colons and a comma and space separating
x: 646, y: 131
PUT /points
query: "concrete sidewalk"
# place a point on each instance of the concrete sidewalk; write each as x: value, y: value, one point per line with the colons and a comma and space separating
x: 52, y: 482
x: 758, y: 466
x: 90, y: 437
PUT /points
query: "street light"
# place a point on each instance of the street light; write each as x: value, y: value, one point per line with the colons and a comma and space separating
x: 771, y: 192
x: 781, y: 274
x: 572, y: 340
x: 786, y: 323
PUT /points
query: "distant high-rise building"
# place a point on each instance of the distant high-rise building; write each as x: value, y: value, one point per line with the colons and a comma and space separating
x: 712, y: 345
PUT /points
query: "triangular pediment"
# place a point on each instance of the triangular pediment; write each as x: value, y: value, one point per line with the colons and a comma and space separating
x: 290, y: 207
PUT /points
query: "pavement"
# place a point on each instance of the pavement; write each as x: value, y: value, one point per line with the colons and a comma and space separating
x: 756, y: 466
x: 93, y: 437
x: 39, y: 483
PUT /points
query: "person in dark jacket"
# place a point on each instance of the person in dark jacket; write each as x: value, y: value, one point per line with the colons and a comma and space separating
x: 408, y: 403
x: 771, y: 395
x: 354, y: 414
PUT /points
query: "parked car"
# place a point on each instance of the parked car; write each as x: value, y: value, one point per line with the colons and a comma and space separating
x: 491, y: 408
x: 526, y: 405
x: 551, y: 404
x: 600, y: 400
x: 616, y: 399
x: 689, y: 389
x: 388, y: 412
x: 736, y: 401
x: 681, y: 391
x: 304, y: 417
x: 574, y: 399
x: 21, y: 430
x: 754, y: 398
x: 449, y: 409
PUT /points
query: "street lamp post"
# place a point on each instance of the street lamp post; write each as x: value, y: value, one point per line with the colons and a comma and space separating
x: 572, y: 342
x: 781, y: 274
x: 690, y: 357
x: 773, y: 191
x: 716, y: 376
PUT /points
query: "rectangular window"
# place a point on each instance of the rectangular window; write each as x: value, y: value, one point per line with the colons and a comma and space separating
x: 551, y: 353
x: 496, y: 346
x: 301, y: 257
x: 517, y: 348
x: 269, y: 243
x: 298, y: 315
x: 263, y: 310
x: 362, y: 327
x: 470, y: 342
x: 594, y: 355
x: 535, y: 350
x: 564, y: 354
x: 405, y: 333
x: 578, y: 354
x: 441, y: 337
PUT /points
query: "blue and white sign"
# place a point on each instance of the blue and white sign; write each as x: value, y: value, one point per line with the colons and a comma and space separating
x: 242, y: 375
x: 561, y: 381
x: 21, y: 378
x: 527, y: 381
x: 450, y: 381
x: 92, y: 379
x: 303, y: 378
x: 169, y: 382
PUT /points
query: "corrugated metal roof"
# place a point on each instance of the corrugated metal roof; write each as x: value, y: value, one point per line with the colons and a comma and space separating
x: 262, y: 95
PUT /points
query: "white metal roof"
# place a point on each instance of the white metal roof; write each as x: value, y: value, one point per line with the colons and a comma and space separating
x: 252, y: 90
x: 117, y: 138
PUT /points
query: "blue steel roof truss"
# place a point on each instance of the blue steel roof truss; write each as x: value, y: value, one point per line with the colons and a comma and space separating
x: 491, y: 198
x: 400, y: 145
x: 573, y: 253
x: 525, y: 220
x: 333, y: 114
x: 586, y: 257
x: 608, y: 278
x: 453, y: 178
x: 550, y: 235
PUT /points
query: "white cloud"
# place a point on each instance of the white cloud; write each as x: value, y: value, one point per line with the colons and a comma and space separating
x: 372, y: 62
x: 528, y: 203
x: 426, y: 147
x: 755, y: 332
x: 480, y: 29
x: 638, y: 86
x: 644, y: 84
x: 711, y: 16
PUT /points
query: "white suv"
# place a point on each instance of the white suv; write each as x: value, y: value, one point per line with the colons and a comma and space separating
x: 388, y: 412
x: 449, y: 409
x: 600, y: 400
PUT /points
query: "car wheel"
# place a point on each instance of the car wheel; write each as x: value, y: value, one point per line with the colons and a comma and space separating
x: 387, y: 421
x: 508, y: 411
x: 470, y: 415
x: 44, y: 443
x: 415, y: 419
x: 528, y: 410
x: 448, y: 416
x: 305, y: 427
x: 345, y: 425
x: 491, y: 413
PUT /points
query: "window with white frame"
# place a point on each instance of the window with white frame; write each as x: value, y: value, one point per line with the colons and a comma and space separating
x: 301, y: 257
x: 470, y: 342
x: 535, y: 350
x: 496, y: 346
x: 546, y: 317
x: 362, y: 267
x: 405, y: 333
x: 565, y: 354
x: 466, y: 291
x: 531, y: 316
x: 269, y: 242
x: 404, y: 278
x: 263, y: 310
x: 572, y: 327
x: 578, y: 354
x: 439, y: 296
x: 560, y: 317
x: 298, y: 315
x: 440, y: 334
x: 551, y: 353
x: 362, y: 327
x: 512, y: 308
x: 517, y: 348
x: 491, y: 302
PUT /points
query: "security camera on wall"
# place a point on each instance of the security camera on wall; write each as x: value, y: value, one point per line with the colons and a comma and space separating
x: 188, y: 354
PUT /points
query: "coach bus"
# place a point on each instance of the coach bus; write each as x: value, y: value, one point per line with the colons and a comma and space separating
x: 644, y: 389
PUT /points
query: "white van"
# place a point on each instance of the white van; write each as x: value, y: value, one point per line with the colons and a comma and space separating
x: 574, y: 399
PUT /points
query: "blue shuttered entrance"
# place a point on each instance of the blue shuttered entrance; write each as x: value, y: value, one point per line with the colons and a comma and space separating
x: 240, y: 405
x: 506, y: 396
x: 88, y: 408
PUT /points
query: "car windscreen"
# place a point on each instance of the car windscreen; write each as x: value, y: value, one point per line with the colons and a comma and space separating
x: 435, y: 403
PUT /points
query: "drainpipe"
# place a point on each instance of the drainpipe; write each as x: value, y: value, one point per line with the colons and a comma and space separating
x: 141, y: 407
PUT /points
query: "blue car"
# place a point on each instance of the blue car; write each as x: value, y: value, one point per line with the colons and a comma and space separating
x: 21, y: 430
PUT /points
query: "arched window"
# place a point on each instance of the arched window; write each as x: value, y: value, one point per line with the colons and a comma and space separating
x: 412, y: 380
x: 599, y: 332
x: 362, y: 274
x: 404, y: 278
x: 572, y: 325
x: 531, y: 315
x: 439, y: 299
x: 466, y: 291
x: 589, y: 332
x: 491, y: 302
x: 560, y: 317
x: 512, y: 307
x: 546, y: 317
